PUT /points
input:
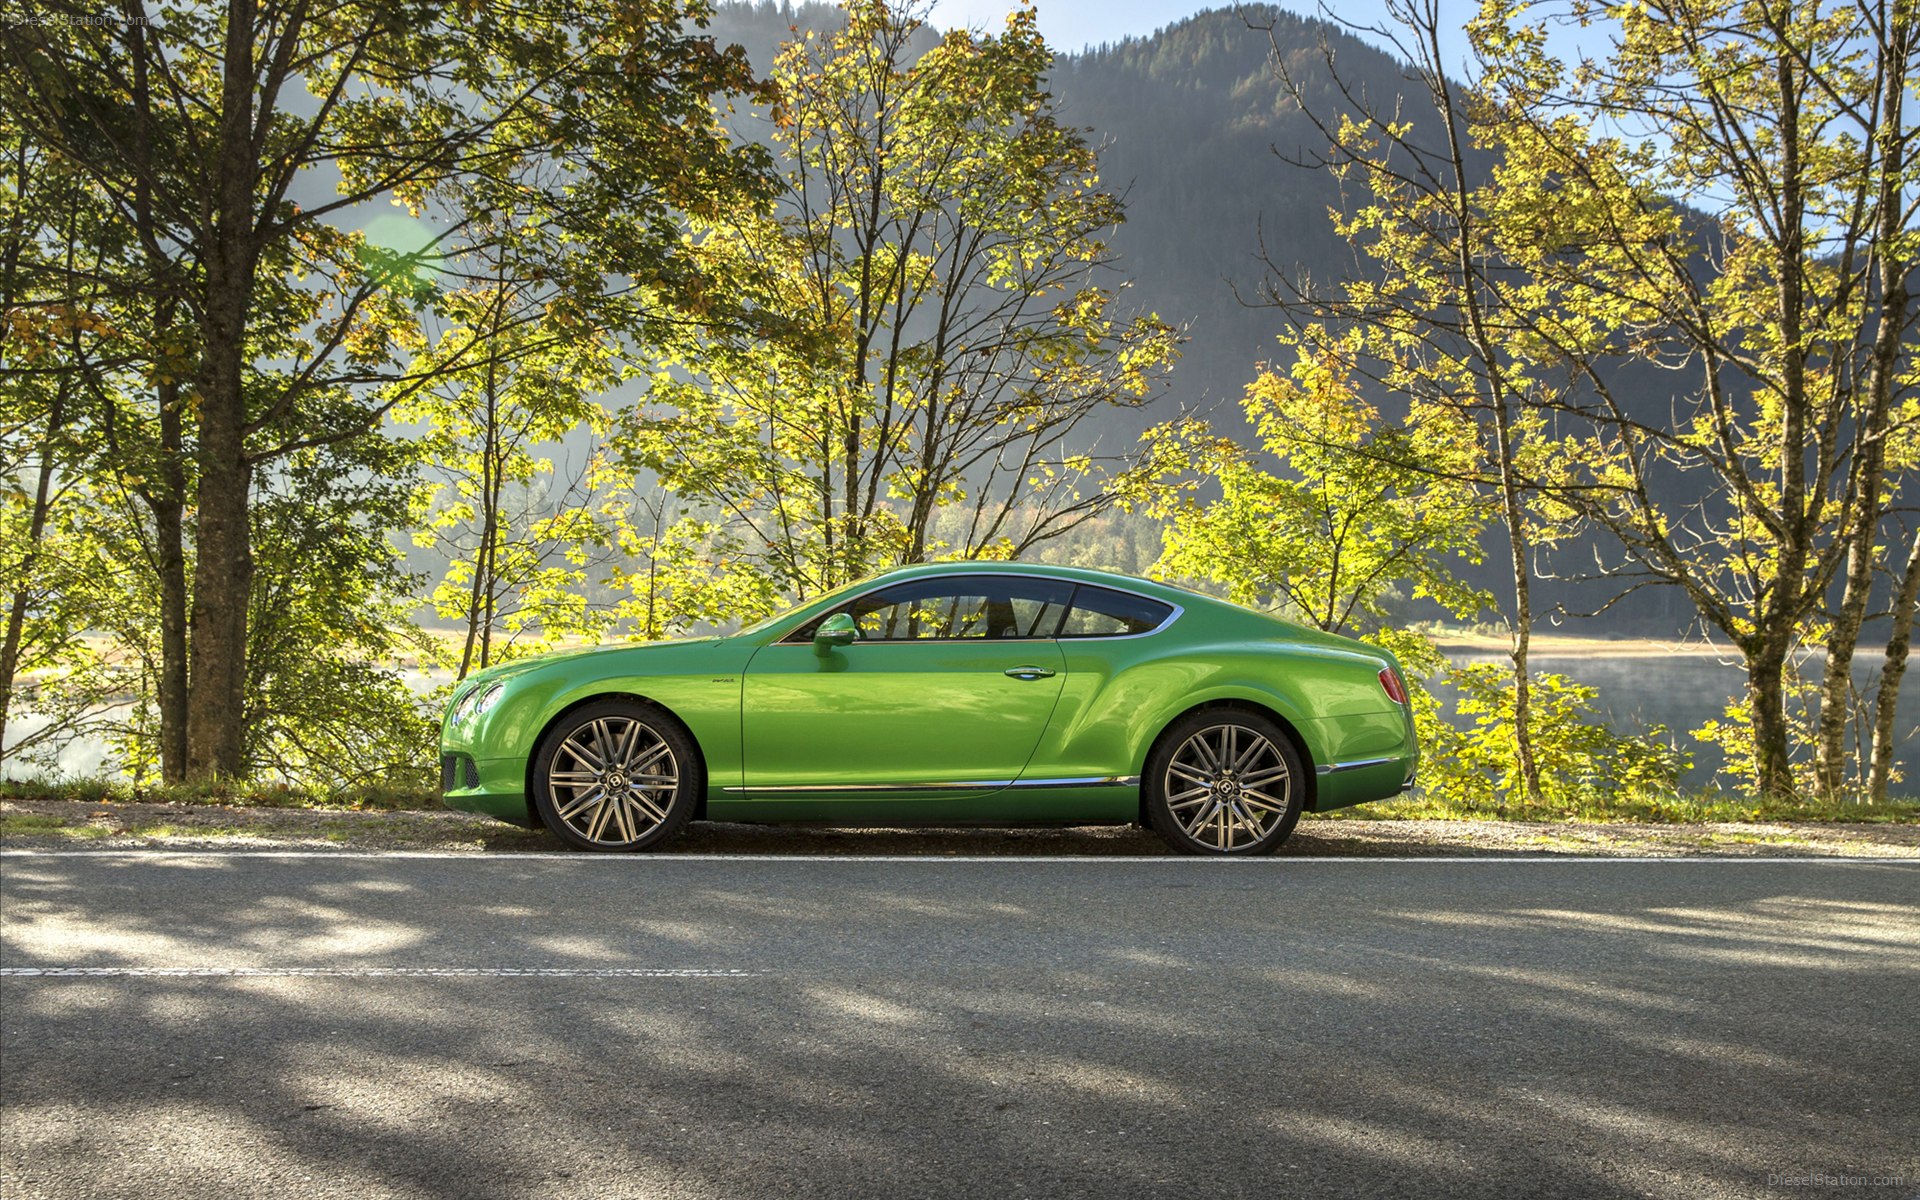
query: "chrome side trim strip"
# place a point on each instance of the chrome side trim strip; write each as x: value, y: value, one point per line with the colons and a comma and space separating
x: 1088, y: 781
x: 965, y: 786
x: 804, y: 788
x: 1355, y: 765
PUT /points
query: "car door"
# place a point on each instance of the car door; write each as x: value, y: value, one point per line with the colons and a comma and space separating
x: 946, y: 692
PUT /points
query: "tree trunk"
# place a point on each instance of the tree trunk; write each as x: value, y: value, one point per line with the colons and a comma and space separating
x: 473, y: 613
x: 1778, y: 622
x: 222, y: 583
x: 169, y: 515
x: 1886, y: 704
x: 18, y: 601
x: 1836, y: 690
x: 1516, y: 519
x: 1513, y: 511
x: 223, y: 570
x: 485, y: 558
x: 1894, y: 146
x: 1767, y: 703
x: 488, y: 573
x: 167, y: 501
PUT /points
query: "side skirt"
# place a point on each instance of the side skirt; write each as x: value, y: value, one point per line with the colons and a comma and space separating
x: 1102, y: 800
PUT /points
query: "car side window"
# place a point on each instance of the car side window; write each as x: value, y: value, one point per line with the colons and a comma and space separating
x: 1037, y: 609
x: 955, y: 607
x: 1103, y: 612
x: 909, y: 614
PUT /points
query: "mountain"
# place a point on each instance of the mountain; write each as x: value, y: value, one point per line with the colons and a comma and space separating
x: 1196, y: 130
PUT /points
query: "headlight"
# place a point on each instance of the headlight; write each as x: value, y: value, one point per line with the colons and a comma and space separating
x: 460, y: 707
x: 488, y: 698
x: 474, y: 703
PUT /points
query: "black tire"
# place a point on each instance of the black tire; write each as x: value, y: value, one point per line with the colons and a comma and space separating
x: 593, y: 750
x: 1199, y: 802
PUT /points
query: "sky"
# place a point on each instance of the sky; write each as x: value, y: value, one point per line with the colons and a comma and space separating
x: 1070, y: 25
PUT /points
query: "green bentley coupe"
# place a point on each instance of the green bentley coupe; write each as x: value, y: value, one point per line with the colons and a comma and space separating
x: 945, y: 694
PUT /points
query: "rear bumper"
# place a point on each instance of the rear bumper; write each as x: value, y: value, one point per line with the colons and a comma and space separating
x: 1356, y: 781
x: 1362, y: 757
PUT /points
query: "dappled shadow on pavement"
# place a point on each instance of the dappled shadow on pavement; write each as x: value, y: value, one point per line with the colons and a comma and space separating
x: 958, y: 1029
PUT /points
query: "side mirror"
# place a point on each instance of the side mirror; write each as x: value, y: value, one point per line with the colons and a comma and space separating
x: 836, y: 630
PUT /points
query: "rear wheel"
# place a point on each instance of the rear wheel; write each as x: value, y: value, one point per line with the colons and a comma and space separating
x: 616, y: 775
x: 1224, y: 781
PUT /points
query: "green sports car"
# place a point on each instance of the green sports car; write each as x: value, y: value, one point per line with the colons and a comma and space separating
x: 945, y: 694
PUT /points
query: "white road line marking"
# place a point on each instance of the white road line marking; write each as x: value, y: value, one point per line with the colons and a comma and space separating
x: 380, y: 972
x: 650, y: 860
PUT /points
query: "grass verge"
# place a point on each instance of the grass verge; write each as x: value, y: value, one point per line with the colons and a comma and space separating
x: 374, y: 797
x: 47, y: 822
x: 1708, y: 807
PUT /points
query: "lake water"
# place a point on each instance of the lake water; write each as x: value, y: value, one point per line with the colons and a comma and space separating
x: 1636, y: 691
x: 1684, y: 691
x: 86, y: 758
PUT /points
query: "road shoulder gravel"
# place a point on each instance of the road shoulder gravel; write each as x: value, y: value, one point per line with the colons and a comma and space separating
x: 60, y: 824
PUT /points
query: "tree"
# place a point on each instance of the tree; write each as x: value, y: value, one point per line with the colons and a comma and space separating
x: 327, y: 705
x: 207, y: 131
x: 517, y: 538
x: 1365, y: 519
x: 1883, y: 171
x: 1359, y: 520
x: 1542, y: 264
x: 1428, y: 311
x: 37, y: 413
x: 1885, y: 736
x: 1783, y: 317
x: 90, y: 655
x: 917, y: 324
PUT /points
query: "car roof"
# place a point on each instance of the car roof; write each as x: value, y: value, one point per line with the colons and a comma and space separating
x: 1112, y: 579
x: 1254, y: 620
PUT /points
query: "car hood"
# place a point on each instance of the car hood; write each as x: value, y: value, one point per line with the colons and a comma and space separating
x: 535, y: 662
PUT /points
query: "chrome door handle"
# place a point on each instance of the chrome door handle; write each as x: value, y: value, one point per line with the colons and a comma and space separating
x: 1029, y: 673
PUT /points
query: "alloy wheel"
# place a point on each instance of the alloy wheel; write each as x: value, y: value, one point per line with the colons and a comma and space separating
x: 1228, y: 787
x: 613, y: 780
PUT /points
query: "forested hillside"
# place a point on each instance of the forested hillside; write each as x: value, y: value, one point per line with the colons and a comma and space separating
x: 1188, y: 122
x: 1195, y: 125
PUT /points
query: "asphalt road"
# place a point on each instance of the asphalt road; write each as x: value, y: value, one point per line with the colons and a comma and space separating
x: 355, y: 1026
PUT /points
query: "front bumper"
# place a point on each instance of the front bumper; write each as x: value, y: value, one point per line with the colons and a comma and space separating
x: 491, y: 787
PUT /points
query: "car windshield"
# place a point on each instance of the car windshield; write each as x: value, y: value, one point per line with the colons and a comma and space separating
x: 783, y: 614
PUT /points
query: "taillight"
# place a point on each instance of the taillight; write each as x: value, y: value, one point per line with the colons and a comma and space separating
x: 1390, y: 680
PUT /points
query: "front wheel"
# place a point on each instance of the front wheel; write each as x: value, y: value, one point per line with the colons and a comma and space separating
x: 1224, y: 781
x: 616, y: 775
